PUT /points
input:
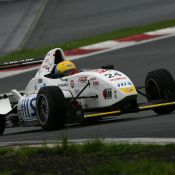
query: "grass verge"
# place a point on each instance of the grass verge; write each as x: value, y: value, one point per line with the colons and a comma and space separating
x: 40, y: 52
x: 91, y: 158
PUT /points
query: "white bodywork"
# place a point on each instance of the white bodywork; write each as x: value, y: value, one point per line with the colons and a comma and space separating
x: 106, y: 88
x: 5, y: 106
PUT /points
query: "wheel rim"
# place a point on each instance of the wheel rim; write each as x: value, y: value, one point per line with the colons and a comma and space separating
x: 43, y: 109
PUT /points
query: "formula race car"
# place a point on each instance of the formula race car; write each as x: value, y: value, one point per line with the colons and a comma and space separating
x: 52, y: 101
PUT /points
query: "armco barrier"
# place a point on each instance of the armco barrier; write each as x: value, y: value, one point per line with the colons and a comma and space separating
x: 21, y: 63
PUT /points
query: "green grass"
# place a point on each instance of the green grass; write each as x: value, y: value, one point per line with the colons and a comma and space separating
x: 141, y: 167
x: 91, y: 158
x: 40, y: 52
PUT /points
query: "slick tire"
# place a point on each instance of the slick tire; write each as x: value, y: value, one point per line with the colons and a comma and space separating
x: 51, y: 108
x: 160, y: 85
x: 2, y: 124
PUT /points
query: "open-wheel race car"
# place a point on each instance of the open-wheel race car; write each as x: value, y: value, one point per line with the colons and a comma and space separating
x: 54, y: 101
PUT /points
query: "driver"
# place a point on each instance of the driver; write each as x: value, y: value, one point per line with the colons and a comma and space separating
x: 65, y: 68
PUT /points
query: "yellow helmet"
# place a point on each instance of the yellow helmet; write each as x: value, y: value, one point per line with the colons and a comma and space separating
x: 65, y: 66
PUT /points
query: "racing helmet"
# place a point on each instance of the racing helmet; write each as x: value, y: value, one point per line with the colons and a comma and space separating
x: 66, y: 67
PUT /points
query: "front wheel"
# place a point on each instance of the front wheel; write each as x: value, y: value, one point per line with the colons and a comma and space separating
x: 51, y: 108
x: 160, y: 85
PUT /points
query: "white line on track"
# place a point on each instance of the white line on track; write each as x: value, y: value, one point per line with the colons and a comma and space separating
x: 52, y: 143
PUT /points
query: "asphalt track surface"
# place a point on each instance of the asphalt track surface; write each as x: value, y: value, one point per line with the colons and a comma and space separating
x: 16, y: 17
x: 135, y: 61
x: 66, y: 20
x: 10, y: 20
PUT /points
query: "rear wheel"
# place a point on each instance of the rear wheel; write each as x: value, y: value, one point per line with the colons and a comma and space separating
x: 160, y: 85
x: 51, y: 108
x: 2, y: 124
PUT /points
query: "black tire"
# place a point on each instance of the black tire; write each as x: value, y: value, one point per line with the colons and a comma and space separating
x: 160, y: 85
x: 2, y: 124
x: 51, y: 108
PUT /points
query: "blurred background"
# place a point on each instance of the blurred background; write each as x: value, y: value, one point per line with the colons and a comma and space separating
x: 39, y: 23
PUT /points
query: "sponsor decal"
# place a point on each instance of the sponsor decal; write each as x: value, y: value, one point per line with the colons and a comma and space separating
x: 115, y: 94
x: 82, y: 79
x: 40, y: 84
x: 63, y: 85
x: 95, y: 83
x: 124, y: 84
x: 92, y: 79
x: 46, y: 67
x: 64, y: 79
x: 129, y: 83
x: 100, y: 70
x: 128, y: 90
x: 40, y: 80
x: 28, y: 108
x: 118, y: 78
x: 72, y: 84
x: 107, y: 93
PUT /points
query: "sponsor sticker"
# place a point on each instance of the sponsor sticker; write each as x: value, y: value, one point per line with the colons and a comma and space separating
x: 82, y: 79
x: 95, y: 83
x: 100, y: 70
x: 115, y: 94
x: 63, y: 85
x: 72, y: 84
x: 92, y: 79
x: 118, y: 78
x: 107, y: 93
x: 40, y: 80
x: 124, y: 84
x: 128, y: 90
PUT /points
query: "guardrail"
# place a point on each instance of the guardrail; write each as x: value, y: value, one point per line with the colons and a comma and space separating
x: 14, y: 64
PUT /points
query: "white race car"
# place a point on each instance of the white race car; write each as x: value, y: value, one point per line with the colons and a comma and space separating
x: 52, y: 102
